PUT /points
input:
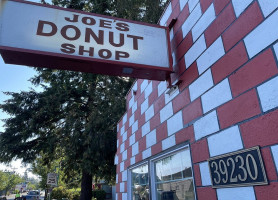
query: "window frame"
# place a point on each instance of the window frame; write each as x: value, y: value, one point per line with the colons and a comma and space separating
x: 151, y: 170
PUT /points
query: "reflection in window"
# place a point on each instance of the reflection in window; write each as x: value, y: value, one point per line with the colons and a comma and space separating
x: 174, y: 179
x: 140, y: 183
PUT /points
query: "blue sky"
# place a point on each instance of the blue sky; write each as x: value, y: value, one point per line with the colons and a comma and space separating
x: 14, y: 78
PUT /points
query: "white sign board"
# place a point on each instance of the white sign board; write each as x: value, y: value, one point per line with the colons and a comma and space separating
x: 80, y: 41
x: 52, y: 179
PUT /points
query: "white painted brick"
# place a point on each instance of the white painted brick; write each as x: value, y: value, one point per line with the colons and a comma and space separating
x: 171, y: 34
x: 149, y: 113
x: 116, y: 160
x: 131, y: 102
x: 195, y: 51
x: 268, y: 6
x: 131, y: 120
x: 203, y: 22
x: 170, y: 97
x: 148, y: 90
x: 124, y: 119
x: 211, y: 55
x: 122, y: 147
x: 162, y: 86
x: 135, y: 149
x: 132, y: 160
x: 192, y: 4
x: 134, y: 107
x: 134, y: 87
x: 191, y: 20
x: 268, y: 93
x: 216, y: 96
x: 166, y: 15
x: 175, y: 123
x: 124, y: 155
x: 124, y: 196
x: 166, y: 112
x: 147, y: 153
x: 206, y: 125
x: 143, y: 86
x: 169, y: 142
x: 205, y: 175
x: 132, y: 139
x: 183, y: 3
x: 124, y: 136
x: 122, y: 187
x: 151, y: 138
x: 240, y: 6
x: 122, y: 166
x: 134, y: 127
x: 144, y: 106
x: 145, y: 128
x: 264, y: 34
x: 174, y: 59
x: 201, y: 85
x: 117, y: 178
x: 240, y: 193
x: 225, y: 141
x: 122, y: 130
x: 274, y: 150
x: 276, y: 48
x: 124, y: 175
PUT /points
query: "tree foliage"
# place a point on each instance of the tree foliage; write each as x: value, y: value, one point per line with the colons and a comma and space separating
x: 8, y: 181
x: 73, y: 119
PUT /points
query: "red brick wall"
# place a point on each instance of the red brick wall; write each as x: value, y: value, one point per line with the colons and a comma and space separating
x: 225, y: 54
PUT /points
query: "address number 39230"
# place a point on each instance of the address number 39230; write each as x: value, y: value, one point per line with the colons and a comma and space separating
x: 243, y: 167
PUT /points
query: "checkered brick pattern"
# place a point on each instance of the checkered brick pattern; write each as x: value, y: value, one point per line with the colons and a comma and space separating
x: 225, y: 55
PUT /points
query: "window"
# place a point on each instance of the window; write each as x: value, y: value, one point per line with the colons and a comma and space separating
x: 165, y: 177
x: 140, y: 182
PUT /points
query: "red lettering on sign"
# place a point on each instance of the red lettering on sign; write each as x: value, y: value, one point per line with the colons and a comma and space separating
x: 74, y: 19
x: 41, y: 25
x: 98, y: 38
x: 105, y: 23
x: 82, y: 51
x: 121, y: 54
x: 135, y: 40
x: 88, y: 21
x: 67, y: 48
x: 66, y: 28
x: 122, y: 26
x: 111, y: 40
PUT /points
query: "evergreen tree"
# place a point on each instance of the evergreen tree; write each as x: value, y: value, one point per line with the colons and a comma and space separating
x: 74, y: 117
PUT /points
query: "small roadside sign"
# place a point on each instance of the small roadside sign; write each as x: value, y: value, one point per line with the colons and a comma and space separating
x: 52, y: 179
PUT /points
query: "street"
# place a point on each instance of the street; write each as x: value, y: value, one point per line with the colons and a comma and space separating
x: 12, y: 196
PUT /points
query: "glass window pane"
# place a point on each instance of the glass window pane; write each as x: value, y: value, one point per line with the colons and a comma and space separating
x: 174, y: 177
x: 176, y: 166
x: 166, y: 169
x: 140, y: 192
x: 140, y: 183
x: 186, y: 164
x: 180, y: 190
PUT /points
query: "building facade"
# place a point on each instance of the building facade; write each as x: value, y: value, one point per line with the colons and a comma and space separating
x: 215, y: 134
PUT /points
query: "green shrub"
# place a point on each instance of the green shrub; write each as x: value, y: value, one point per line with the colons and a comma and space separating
x: 60, y: 192
x: 75, y: 194
x: 99, y: 194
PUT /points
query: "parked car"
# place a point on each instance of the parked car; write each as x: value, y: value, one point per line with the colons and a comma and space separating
x: 3, y: 198
x: 32, y: 195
